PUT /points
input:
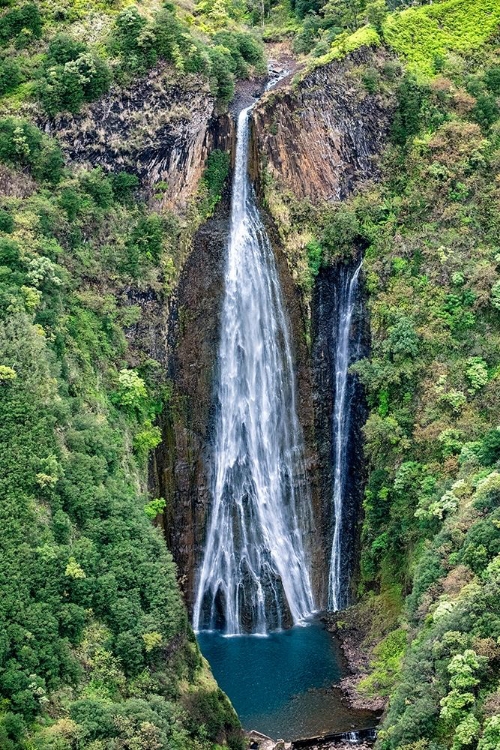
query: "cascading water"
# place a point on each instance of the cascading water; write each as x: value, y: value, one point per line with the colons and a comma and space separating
x: 346, y: 351
x: 255, y: 572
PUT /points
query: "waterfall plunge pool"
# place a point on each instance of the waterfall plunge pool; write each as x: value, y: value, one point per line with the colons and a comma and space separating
x: 282, y: 684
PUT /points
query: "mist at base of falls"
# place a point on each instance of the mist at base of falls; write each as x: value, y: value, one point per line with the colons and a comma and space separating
x: 281, y: 684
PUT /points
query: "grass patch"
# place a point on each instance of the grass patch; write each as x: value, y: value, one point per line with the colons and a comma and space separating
x: 424, y: 34
x: 366, y: 36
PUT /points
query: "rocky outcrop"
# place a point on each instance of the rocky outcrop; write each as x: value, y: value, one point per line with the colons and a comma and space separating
x: 319, y: 137
x: 161, y: 128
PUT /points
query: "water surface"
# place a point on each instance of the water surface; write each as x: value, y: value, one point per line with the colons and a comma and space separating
x: 281, y: 684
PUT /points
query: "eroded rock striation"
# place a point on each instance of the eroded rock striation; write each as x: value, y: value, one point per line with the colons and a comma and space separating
x: 160, y: 128
x: 319, y: 137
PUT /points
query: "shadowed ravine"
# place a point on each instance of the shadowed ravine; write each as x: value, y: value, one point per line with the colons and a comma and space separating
x: 345, y: 352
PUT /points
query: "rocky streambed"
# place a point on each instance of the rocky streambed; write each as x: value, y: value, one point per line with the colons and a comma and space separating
x: 257, y: 741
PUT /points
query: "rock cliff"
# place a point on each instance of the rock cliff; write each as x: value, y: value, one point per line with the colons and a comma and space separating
x: 324, y: 324
x: 320, y: 136
x: 161, y: 128
x: 316, y: 139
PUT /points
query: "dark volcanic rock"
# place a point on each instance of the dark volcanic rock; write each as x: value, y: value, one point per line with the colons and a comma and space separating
x: 320, y: 137
x: 161, y: 128
x: 325, y: 311
x: 183, y: 459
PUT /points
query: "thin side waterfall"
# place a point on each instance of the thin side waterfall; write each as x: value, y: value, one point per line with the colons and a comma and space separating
x: 255, y: 572
x: 344, y: 355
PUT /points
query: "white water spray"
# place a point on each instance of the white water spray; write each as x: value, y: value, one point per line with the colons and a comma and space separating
x: 255, y: 570
x: 347, y: 298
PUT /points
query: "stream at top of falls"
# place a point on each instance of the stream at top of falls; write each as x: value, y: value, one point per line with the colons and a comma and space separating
x: 255, y: 572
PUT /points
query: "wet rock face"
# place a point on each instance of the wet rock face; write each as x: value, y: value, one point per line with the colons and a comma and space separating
x: 325, y: 311
x: 183, y: 460
x: 160, y: 128
x: 319, y: 138
x: 181, y: 471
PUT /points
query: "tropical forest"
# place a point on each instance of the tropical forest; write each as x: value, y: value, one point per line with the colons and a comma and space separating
x: 249, y: 374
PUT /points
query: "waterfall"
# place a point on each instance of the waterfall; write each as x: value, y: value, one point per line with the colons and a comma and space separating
x: 345, y: 352
x: 254, y: 575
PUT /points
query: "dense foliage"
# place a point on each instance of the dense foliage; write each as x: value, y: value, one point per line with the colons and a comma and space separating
x: 95, y: 647
x: 55, y: 58
x: 431, y: 514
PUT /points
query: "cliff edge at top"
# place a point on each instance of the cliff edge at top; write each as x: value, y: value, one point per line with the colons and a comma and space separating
x: 320, y: 136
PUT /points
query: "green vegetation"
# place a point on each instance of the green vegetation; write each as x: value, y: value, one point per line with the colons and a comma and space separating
x: 95, y: 647
x: 429, y: 584
x: 424, y: 35
x: 431, y: 513
x: 49, y: 56
x: 214, y: 178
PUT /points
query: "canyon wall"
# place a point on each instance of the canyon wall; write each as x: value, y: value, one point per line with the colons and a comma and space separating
x: 324, y: 326
x: 320, y: 136
x: 317, y: 139
x: 160, y: 128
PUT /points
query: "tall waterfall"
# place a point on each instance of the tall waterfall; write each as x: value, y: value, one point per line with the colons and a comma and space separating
x: 255, y: 572
x: 344, y: 355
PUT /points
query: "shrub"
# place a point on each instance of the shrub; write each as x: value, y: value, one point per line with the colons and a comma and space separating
x: 341, y: 231
x: 168, y: 34
x: 22, y: 144
x: 128, y: 26
x: 370, y: 80
x: 6, y: 221
x: 213, y: 180
x: 476, y: 373
x: 124, y: 184
x: 132, y: 393
x: 66, y: 87
x: 147, y: 237
x: 154, y: 507
x: 492, y: 80
x: 133, y: 42
x: 10, y: 75
x: 485, y: 111
x: 13, y: 22
x: 305, y: 40
x: 386, y: 665
x: 491, y: 735
x: 489, y: 451
x: 9, y: 253
x: 411, y: 97
x: 221, y: 73
x: 63, y: 49
x: 402, y: 340
x: 314, y: 257
x: 244, y: 49
x: 99, y: 186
